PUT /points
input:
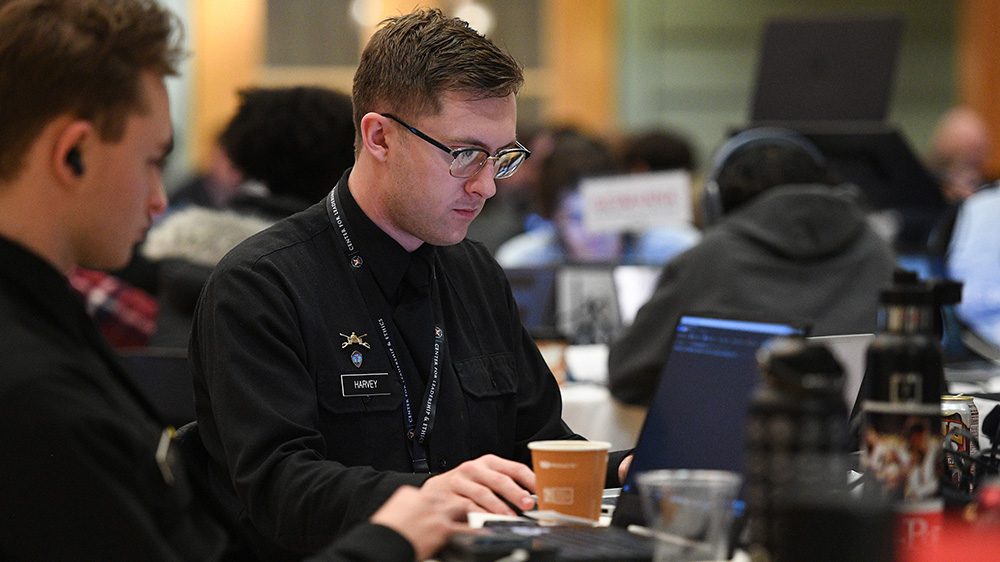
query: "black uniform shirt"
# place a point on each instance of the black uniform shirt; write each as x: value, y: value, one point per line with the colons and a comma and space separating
x: 272, y: 351
x: 79, y: 475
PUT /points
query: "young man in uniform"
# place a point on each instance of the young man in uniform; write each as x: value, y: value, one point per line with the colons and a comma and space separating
x: 364, y: 344
x: 87, y: 470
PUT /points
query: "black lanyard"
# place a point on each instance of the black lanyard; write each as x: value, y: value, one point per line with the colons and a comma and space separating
x: 416, y: 433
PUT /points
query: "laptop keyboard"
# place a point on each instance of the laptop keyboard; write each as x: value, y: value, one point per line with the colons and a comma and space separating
x: 590, y: 543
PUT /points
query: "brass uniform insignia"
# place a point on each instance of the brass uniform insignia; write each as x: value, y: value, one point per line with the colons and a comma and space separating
x: 354, y: 339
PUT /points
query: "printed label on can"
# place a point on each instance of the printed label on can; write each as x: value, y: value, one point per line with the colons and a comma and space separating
x: 901, y: 455
x: 959, y: 427
x: 919, y: 528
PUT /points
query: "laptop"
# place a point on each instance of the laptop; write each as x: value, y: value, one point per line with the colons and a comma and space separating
x: 851, y: 350
x: 587, y: 307
x: 695, y: 420
x: 830, y: 69
x: 581, y: 303
x: 578, y: 303
x: 634, y: 285
x: 697, y: 415
x: 533, y: 289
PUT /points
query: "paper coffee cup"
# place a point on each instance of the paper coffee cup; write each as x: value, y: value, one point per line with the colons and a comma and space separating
x: 569, y: 476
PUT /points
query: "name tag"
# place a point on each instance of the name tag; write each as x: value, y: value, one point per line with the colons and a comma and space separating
x: 365, y: 384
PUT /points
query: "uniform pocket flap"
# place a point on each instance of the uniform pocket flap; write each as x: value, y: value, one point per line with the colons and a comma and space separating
x: 489, y: 375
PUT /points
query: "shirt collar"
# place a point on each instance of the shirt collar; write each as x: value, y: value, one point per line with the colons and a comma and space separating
x: 50, y: 294
x: 386, y: 258
x: 43, y: 284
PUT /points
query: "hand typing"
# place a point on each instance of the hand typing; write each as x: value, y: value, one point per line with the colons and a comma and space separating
x: 480, y: 483
x: 424, y: 518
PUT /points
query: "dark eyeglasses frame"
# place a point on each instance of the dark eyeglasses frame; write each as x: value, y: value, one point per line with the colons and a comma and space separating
x: 520, y: 148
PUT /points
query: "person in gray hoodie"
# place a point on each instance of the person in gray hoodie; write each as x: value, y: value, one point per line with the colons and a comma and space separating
x: 784, y: 242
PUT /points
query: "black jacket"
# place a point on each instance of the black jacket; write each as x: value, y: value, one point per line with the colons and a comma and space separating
x: 79, y: 473
x: 79, y: 476
x: 270, y: 354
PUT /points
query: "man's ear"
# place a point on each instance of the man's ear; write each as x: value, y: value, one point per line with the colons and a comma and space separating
x: 69, y: 152
x: 373, y: 136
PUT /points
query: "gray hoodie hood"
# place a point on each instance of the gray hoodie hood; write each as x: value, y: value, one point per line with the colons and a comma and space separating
x: 801, y: 222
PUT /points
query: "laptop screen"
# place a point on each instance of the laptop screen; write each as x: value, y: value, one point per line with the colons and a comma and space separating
x: 534, y: 292
x: 829, y: 69
x: 587, y: 303
x: 581, y: 303
x: 696, y: 418
x: 851, y: 351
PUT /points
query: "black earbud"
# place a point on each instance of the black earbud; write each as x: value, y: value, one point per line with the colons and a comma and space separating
x: 75, y: 161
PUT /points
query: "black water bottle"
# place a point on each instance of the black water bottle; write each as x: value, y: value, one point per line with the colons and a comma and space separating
x: 796, y: 436
x: 901, y: 434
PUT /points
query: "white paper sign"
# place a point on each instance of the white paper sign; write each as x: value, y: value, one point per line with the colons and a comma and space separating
x: 636, y: 202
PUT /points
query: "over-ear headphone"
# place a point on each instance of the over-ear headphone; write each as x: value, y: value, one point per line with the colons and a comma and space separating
x: 711, y: 196
x: 75, y: 161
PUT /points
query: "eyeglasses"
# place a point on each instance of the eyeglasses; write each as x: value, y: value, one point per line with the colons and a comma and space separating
x: 466, y: 162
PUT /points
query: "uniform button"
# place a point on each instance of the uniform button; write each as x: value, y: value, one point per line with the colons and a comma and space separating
x: 443, y: 463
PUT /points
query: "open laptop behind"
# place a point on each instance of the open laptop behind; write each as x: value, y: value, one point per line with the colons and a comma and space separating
x: 575, y: 302
x: 634, y: 284
x: 533, y: 289
x: 830, y: 69
x: 695, y: 420
x: 587, y: 303
x: 697, y: 415
x: 851, y: 351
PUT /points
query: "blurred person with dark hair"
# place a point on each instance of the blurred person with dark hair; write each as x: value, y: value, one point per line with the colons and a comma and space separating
x: 295, y: 141
x: 654, y: 150
x: 214, y: 188
x: 784, y: 243
x: 510, y: 211
x: 279, y: 153
x: 292, y: 144
x: 557, y: 200
x: 661, y: 150
x: 561, y: 235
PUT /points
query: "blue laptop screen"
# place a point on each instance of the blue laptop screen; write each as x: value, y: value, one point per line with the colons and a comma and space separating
x: 696, y: 418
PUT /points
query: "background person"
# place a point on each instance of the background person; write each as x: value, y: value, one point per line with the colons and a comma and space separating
x: 958, y: 155
x: 560, y: 236
x: 657, y: 150
x: 974, y: 259
x: 292, y: 144
x: 789, y: 246
x: 509, y: 212
x: 960, y: 148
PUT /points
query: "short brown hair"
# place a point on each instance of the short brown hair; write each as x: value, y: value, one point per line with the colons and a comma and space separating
x: 413, y: 59
x: 83, y: 57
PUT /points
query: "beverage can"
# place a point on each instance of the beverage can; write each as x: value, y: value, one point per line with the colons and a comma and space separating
x: 902, y: 452
x: 960, y: 429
